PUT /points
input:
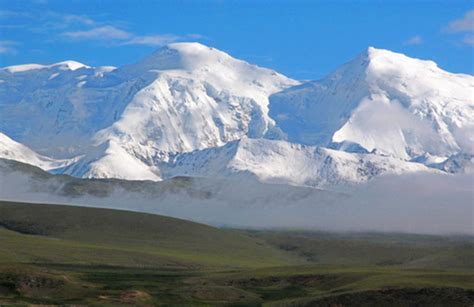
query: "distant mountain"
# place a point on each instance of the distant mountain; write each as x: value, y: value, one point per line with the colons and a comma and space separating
x: 51, y: 109
x: 416, y: 202
x: 216, y: 201
x: 188, y: 109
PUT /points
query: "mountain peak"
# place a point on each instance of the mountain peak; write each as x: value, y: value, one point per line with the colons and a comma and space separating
x: 189, y: 47
x: 382, y: 58
x: 373, y: 53
x: 184, y: 56
x: 371, y: 50
x: 383, y: 101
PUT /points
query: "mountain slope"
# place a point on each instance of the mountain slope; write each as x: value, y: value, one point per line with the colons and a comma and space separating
x: 71, y: 234
x: 283, y: 162
x: 9, y: 149
x: 385, y: 102
x: 110, y: 160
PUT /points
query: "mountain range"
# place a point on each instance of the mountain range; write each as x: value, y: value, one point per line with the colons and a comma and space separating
x: 192, y: 110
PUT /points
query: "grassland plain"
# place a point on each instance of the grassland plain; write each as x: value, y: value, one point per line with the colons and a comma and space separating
x: 65, y: 255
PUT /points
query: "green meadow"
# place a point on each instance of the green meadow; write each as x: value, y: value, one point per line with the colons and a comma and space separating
x: 65, y: 255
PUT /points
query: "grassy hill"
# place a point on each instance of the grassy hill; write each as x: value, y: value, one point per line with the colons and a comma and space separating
x: 68, y: 234
x: 52, y: 254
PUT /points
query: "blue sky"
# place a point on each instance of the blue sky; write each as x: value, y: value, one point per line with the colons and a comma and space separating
x: 302, y: 39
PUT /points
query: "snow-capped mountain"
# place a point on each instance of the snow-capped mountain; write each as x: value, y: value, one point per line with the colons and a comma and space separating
x: 282, y: 162
x: 268, y: 161
x: 192, y: 110
x: 185, y: 96
x: 198, y: 98
x: 385, y: 102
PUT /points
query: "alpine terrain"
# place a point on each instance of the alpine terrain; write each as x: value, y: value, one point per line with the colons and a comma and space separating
x: 192, y: 110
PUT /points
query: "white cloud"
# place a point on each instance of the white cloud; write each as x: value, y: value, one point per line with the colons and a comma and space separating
x: 160, y: 39
x: 152, y: 40
x: 44, y: 21
x: 195, y: 36
x: 415, y: 40
x: 8, y: 47
x: 122, y: 37
x: 465, y: 24
x: 80, y: 19
x: 83, y: 28
x: 468, y: 40
x: 6, y: 50
x: 103, y: 33
x: 13, y: 14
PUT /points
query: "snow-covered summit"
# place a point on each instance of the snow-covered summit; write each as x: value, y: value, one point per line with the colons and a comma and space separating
x: 184, y: 96
x: 197, y: 97
x: 382, y: 101
x: 182, y: 56
x: 197, y: 60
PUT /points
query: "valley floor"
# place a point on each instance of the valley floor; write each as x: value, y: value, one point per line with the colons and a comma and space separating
x: 63, y: 255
